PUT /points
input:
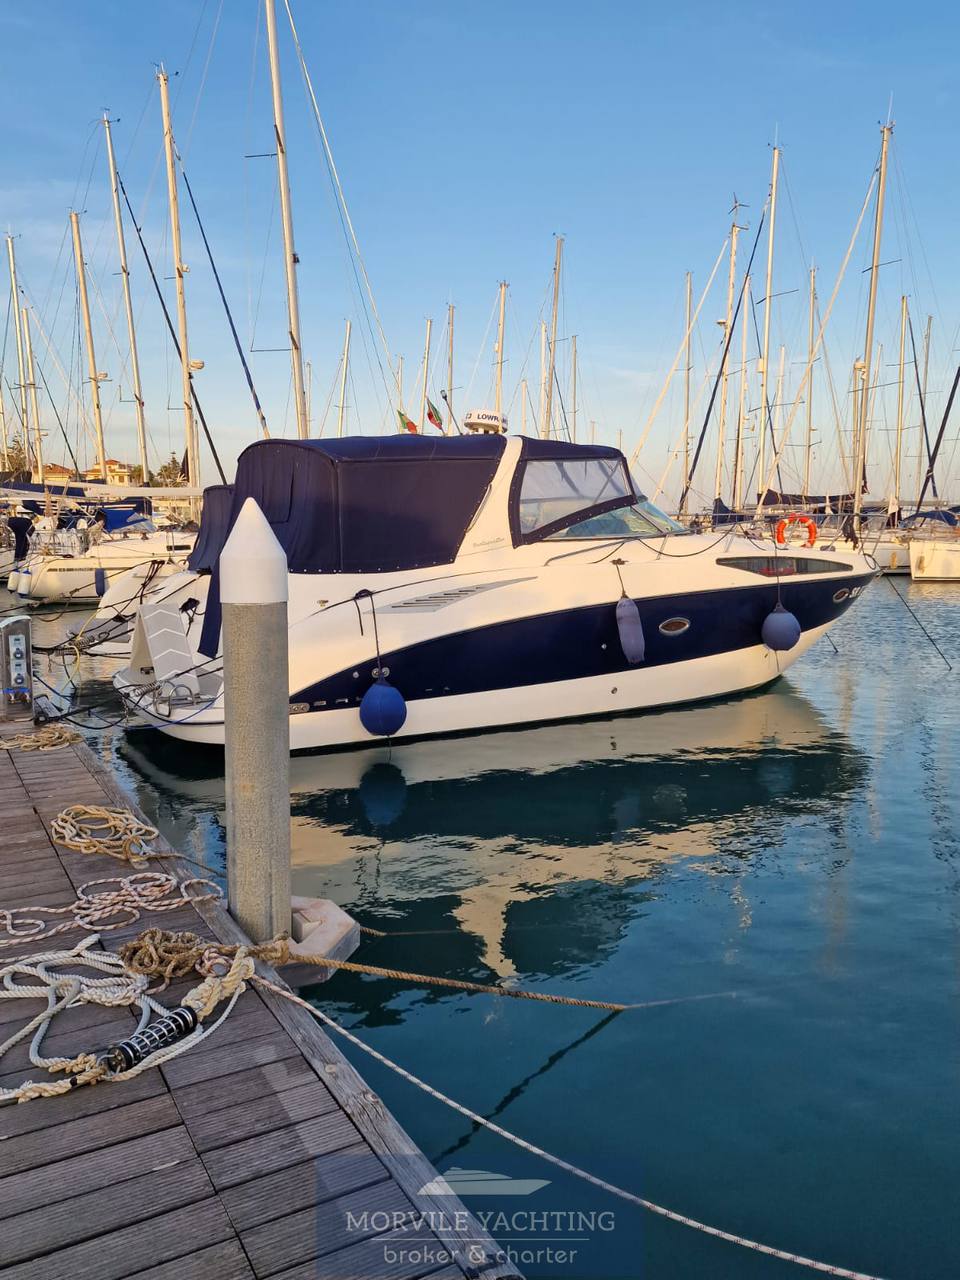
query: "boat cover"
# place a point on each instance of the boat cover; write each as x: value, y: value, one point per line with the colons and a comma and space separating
x: 214, y: 527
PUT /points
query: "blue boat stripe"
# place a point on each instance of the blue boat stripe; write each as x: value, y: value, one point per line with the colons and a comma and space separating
x: 576, y: 644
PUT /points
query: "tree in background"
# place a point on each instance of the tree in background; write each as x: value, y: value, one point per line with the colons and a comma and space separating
x: 169, y: 474
x: 17, y: 459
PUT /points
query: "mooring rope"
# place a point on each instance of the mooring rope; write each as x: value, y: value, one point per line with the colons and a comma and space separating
x: 107, y: 908
x: 93, y: 828
x: 118, y: 988
x: 52, y: 738
x: 226, y: 971
x: 169, y: 956
x: 159, y: 953
x: 683, y: 1219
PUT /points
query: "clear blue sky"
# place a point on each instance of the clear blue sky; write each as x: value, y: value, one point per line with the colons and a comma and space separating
x: 467, y: 135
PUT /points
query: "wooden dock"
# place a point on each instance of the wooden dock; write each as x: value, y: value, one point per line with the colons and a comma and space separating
x: 259, y: 1153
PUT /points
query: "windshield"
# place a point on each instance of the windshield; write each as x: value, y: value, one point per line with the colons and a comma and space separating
x: 554, y: 491
x: 642, y: 520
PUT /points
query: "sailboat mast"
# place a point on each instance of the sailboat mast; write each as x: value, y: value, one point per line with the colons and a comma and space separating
x: 573, y: 388
x: 543, y: 377
x: 192, y: 439
x: 778, y: 403
x: 552, y: 352
x: 449, y: 368
x: 3, y: 432
x: 34, y: 402
x: 897, y: 459
x: 742, y: 409
x: 127, y: 302
x: 426, y: 370
x: 523, y: 407
x: 498, y: 395
x: 722, y: 419
x: 860, y: 466
x: 768, y: 290
x: 88, y: 335
x: 290, y: 258
x: 686, y: 393
x: 344, y: 364
x: 18, y: 331
x: 811, y: 323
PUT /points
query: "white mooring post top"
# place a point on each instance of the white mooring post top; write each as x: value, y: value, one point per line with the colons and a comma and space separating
x: 253, y: 565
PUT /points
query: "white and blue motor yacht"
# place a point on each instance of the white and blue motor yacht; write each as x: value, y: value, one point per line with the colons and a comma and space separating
x: 448, y: 585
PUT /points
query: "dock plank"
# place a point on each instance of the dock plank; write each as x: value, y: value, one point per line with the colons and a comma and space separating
x: 222, y: 1262
x: 299, y: 1186
x: 107, y: 1167
x: 120, y: 1253
x: 61, y: 1223
x: 211, y: 1096
x: 273, y: 1111
x: 89, y: 1133
x: 298, y: 1237
x: 271, y: 1151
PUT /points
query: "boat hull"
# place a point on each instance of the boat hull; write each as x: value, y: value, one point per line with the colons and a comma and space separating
x: 633, y: 691
x: 935, y: 560
x: 622, y: 690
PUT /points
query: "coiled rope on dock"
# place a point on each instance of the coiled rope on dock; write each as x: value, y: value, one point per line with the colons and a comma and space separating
x: 50, y: 738
x: 94, y: 828
x: 114, y: 906
x: 119, y: 987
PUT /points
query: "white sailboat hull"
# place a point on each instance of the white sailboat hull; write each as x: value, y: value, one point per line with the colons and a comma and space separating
x: 935, y: 559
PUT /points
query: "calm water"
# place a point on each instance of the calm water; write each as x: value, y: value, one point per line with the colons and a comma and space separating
x: 793, y: 856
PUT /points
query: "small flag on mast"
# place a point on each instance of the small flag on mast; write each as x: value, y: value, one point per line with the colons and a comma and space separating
x: 433, y: 415
x: 407, y: 424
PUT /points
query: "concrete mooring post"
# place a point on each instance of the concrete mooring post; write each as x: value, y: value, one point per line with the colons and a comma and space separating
x: 253, y: 592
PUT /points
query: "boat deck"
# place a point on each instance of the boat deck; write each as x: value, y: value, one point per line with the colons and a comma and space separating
x: 259, y: 1153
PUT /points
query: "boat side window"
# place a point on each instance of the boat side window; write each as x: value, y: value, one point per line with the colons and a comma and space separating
x: 782, y: 566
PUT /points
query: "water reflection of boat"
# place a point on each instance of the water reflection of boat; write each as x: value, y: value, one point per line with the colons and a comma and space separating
x: 557, y: 827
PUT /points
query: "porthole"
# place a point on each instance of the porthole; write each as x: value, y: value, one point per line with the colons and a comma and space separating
x: 841, y: 594
x: 674, y: 626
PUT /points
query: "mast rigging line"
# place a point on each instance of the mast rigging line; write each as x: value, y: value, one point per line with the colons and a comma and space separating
x: 223, y: 298
x: 56, y: 413
x: 345, y: 219
x: 723, y: 360
x: 680, y: 350
x: 766, y: 419
x: 173, y: 332
x: 765, y: 481
x: 923, y: 412
x: 939, y: 440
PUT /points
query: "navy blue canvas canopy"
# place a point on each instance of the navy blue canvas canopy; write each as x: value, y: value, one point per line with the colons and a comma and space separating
x: 362, y: 504
x: 368, y: 504
x: 214, y: 527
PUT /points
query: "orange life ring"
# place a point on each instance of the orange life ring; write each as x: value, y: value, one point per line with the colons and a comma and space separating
x: 797, y: 519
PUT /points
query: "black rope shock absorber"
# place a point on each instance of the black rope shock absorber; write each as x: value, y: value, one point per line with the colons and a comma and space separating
x: 173, y: 1026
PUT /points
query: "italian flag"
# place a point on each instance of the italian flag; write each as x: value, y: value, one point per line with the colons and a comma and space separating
x: 433, y: 415
x: 406, y: 424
